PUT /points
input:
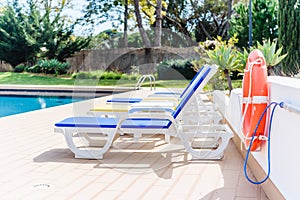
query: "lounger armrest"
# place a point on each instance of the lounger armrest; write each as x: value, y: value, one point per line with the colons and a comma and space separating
x: 147, y: 116
x: 166, y: 116
x: 151, y: 110
x: 172, y: 99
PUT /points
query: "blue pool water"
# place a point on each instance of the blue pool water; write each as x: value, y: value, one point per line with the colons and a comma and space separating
x: 10, y: 105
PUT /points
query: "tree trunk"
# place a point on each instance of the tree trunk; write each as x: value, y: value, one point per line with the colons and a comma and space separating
x: 226, y: 72
x: 142, y: 31
x: 229, y: 12
x: 205, y: 31
x: 158, y: 23
x: 126, y: 24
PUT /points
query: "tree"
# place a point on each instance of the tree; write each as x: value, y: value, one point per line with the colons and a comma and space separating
x: 211, y: 19
x: 126, y: 24
x: 117, y: 11
x: 57, y: 38
x: 265, y: 25
x: 150, y: 11
x: 17, y: 35
x: 177, y: 17
x: 289, y: 31
x: 142, y: 31
x: 158, y: 23
x: 200, y: 20
x: 32, y: 33
x: 157, y: 10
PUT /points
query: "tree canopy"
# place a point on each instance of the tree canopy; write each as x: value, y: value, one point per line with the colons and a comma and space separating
x: 28, y: 32
x: 264, y: 22
x: 289, y: 31
x: 198, y: 20
x: 17, y: 36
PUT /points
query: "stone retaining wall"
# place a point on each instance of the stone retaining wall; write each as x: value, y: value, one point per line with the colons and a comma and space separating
x: 123, y: 59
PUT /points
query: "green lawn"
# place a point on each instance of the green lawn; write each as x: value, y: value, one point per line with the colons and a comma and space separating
x: 39, y: 79
x: 33, y: 79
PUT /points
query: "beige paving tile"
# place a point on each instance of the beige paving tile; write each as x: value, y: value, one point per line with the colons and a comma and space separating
x: 89, y: 191
x: 156, y: 192
x: 123, y: 182
x: 185, y: 185
x: 233, y: 163
x: 109, y: 177
x: 56, y: 196
x: 136, y: 190
x: 262, y: 194
x: 223, y: 193
x: 208, y: 182
x: 230, y: 178
x: 176, y: 196
x: 78, y: 185
x: 107, y: 195
x: 246, y: 189
x: 201, y: 195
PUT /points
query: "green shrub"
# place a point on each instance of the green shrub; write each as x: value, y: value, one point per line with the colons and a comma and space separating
x: 82, y: 75
x: 117, y: 76
x: 106, y: 75
x: 34, y: 69
x: 20, y: 68
x: 109, y: 75
x: 134, y: 77
x: 94, y: 77
x: 125, y: 77
x: 175, y: 70
x: 52, y: 66
x: 85, y: 75
x: 74, y: 75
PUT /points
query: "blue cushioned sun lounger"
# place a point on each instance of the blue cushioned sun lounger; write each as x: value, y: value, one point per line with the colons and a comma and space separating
x: 137, y: 100
x: 98, y: 122
x: 142, y: 123
x: 124, y: 100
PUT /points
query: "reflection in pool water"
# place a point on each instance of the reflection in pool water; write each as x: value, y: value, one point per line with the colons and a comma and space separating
x: 10, y: 105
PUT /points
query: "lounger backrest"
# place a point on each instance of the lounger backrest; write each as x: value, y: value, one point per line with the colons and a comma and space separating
x: 191, y: 92
x: 191, y: 82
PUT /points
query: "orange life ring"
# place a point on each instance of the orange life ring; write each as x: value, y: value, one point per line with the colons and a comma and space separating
x: 255, y: 98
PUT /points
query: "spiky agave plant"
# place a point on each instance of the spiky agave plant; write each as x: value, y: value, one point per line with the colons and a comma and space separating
x: 273, y: 57
x: 226, y: 57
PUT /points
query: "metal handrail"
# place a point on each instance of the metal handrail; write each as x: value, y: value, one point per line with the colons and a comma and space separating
x: 143, y: 78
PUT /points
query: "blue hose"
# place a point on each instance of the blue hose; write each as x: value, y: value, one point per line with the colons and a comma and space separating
x: 269, y: 135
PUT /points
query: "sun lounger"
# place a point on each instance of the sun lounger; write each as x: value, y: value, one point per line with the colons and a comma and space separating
x: 166, y: 123
x: 158, y: 95
x: 117, y: 108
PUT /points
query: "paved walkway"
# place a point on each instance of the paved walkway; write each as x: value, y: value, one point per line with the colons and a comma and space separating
x: 35, y: 164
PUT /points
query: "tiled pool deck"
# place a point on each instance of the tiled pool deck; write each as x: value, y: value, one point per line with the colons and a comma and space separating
x: 36, y: 164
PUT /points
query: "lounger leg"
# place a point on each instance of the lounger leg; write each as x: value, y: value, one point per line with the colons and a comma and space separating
x: 212, y: 154
x: 87, y: 153
x: 136, y: 137
x: 167, y: 138
x: 93, y: 141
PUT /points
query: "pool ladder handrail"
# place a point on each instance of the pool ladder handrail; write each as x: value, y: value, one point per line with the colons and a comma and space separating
x: 143, y: 78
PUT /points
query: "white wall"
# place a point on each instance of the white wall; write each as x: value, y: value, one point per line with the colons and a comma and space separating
x: 285, y: 135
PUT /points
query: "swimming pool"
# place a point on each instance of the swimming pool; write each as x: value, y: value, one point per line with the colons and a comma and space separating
x: 10, y: 105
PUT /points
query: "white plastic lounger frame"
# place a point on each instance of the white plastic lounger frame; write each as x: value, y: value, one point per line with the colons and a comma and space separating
x: 168, y: 124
